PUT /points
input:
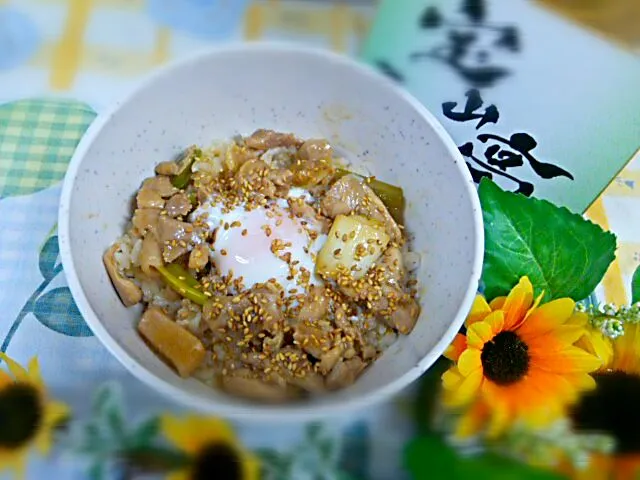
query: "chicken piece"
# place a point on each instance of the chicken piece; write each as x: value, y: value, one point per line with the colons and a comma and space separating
x: 236, y: 156
x: 348, y: 328
x: 369, y: 352
x: 381, y: 288
x: 272, y: 345
x: 281, y: 179
x: 350, y: 194
x: 265, y: 139
x: 315, y: 307
x: 214, y: 312
x: 303, y: 210
x: 313, y: 339
x: 129, y: 292
x: 178, y: 205
x: 174, y: 236
x: 183, y: 350
x: 199, y: 257
x: 329, y: 359
x: 145, y: 220
x: 294, y: 367
x: 310, y: 173
x: 167, y: 168
x: 254, y: 175
x: 244, y: 383
x: 150, y: 255
x: 161, y: 184
x: 258, y: 306
x: 311, y: 382
x: 148, y: 198
x: 315, y: 150
x: 393, y: 265
x: 344, y: 373
x: 404, y: 316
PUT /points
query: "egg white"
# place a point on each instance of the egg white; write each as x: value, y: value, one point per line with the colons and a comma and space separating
x: 250, y: 256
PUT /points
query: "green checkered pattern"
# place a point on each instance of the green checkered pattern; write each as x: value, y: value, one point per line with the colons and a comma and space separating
x: 37, y: 140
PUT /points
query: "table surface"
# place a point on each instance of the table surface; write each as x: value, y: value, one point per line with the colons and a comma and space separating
x: 67, y: 49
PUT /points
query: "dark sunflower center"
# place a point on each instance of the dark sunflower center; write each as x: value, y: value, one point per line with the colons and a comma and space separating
x: 217, y: 461
x: 20, y: 415
x: 505, y: 359
x: 612, y: 408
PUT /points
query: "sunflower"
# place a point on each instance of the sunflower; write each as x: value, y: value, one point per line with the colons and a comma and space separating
x: 27, y: 416
x: 212, y: 449
x: 612, y: 407
x: 517, y: 362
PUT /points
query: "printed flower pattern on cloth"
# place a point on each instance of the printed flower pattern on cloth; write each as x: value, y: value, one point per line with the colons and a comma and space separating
x: 212, y: 448
x: 28, y: 416
x: 517, y: 361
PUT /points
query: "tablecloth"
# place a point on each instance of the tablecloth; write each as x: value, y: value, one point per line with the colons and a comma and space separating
x: 61, y: 63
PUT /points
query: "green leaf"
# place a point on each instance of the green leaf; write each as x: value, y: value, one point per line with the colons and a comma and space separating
x: 115, y: 422
x: 48, y: 256
x: 97, y: 471
x: 275, y: 465
x: 561, y: 252
x: 57, y: 310
x: 429, y: 457
x: 145, y: 433
x: 635, y: 286
x: 103, y: 397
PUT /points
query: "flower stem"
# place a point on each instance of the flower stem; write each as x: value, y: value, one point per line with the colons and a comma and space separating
x: 28, y: 307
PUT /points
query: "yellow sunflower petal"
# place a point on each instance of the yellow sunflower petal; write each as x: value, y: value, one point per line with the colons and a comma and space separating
x: 500, y: 417
x: 470, y: 361
x: 626, y: 348
x: 451, y: 379
x: 479, y: 310
x: 467, y: 390
x: 471, y: 421
x: 14, y: 367
x: 54, y: 414
x: 581, y: 381
x: 497, y: 303
x: 569, y: 334
x: 552, y: 385
x: 536, y: 304
x: 16, y: 461
x: 567, y: 360
x: 579, y: 319
x: 496, y: 321
x: 547, y: 317
x: 458, y: 346
x: 5, y: 379
x: 182, y: 474
x: 251, y: 467
x: 33, y: 370
x: 594, y: 342
x: 480, y: 333
x: 517, y: 303
x: 192, y: 432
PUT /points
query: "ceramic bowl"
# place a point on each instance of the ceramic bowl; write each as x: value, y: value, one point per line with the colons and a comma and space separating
x: 235, y: 90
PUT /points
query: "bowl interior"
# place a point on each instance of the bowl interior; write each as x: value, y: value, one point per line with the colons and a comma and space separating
x: 236, y: 90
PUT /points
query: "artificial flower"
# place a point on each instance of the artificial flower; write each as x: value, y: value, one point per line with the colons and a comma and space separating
x: 211, y: 447
x: 517, y: 362
x: 612, y: 407
x: 28, y: 416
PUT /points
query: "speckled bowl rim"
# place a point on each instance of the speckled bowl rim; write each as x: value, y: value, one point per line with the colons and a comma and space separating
x: 265, y: 412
